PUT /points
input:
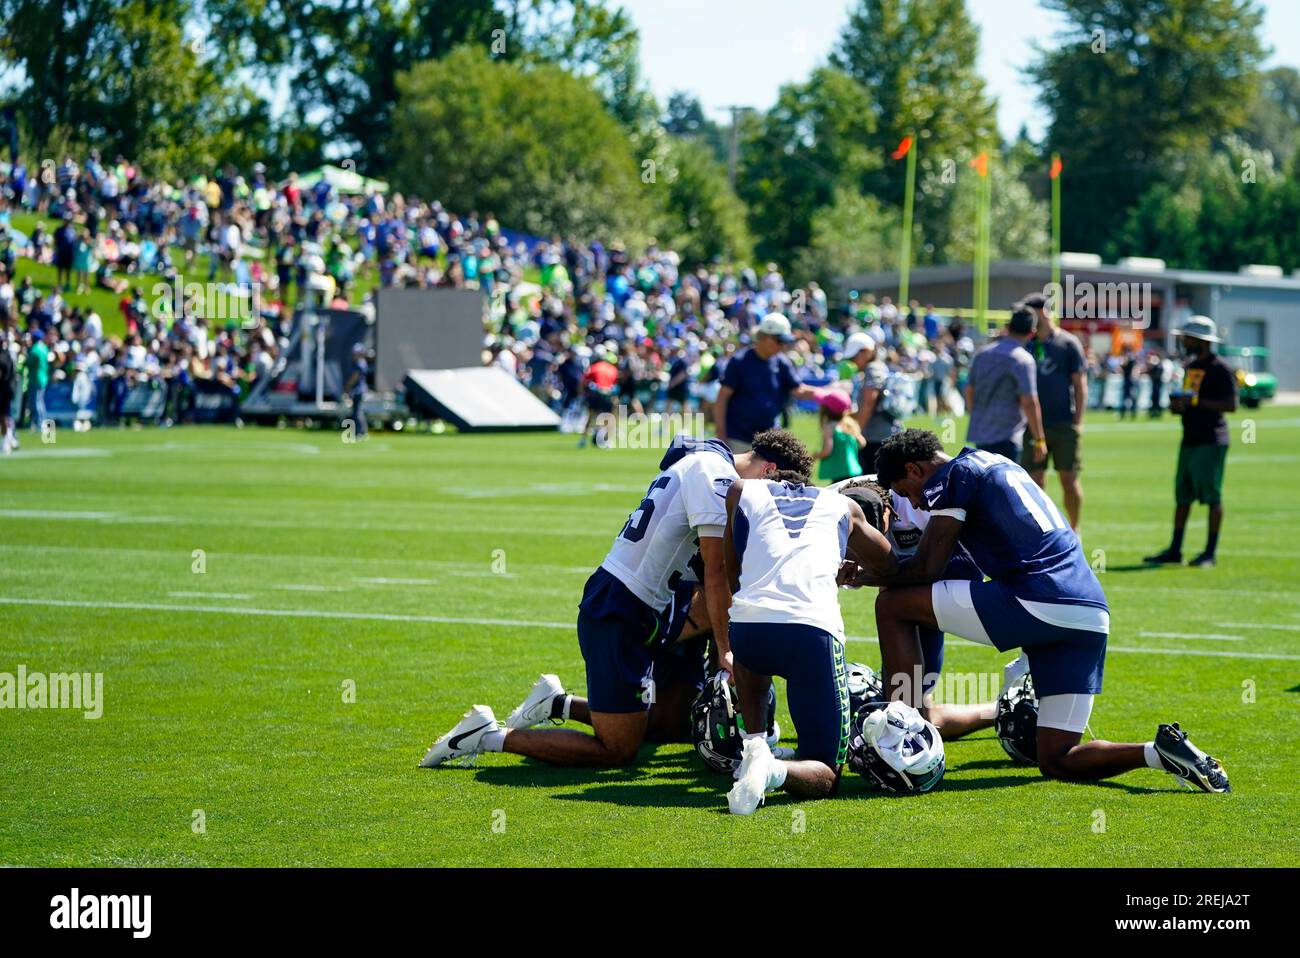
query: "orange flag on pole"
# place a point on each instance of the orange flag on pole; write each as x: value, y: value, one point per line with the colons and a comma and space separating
x: 1057, y: 166
x: 981, y: 164
x: 903, y: 147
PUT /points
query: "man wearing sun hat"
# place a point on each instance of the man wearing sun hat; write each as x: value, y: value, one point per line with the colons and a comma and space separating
x: 1209, y: 390
x: 757, y: 384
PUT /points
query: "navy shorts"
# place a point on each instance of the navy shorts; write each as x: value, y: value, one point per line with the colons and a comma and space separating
x: 622, y: 642
x: 817, y: 685
x: 1064, y: 661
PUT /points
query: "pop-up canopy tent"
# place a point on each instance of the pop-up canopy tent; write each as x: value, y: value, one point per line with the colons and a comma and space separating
x: 345, y: 181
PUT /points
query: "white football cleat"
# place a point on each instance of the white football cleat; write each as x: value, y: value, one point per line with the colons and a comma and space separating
x: 752, y: 777
x: 1012, y: 672
x: 463, y: 740
x: 537, y: 708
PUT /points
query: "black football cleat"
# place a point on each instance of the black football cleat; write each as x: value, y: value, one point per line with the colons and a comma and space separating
x: 1188, y: 762
x: 1203, y: 561
x: 1169, y: 556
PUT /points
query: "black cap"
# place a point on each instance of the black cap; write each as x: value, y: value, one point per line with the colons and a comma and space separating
x: 872, y: 507
x: 1023, y: 321
x: 1035, y: 301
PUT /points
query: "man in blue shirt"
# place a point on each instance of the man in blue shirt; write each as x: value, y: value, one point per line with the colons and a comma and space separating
x: 1041, y: 596
x: 757, y: 384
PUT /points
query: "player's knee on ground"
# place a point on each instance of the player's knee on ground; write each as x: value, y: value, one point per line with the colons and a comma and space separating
x: 1054, y: 747
x: 1053, y: 765
x: 618, y: 754
x: 824, y: 783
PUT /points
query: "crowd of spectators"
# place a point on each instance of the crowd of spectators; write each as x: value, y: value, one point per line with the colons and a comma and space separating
x: 557, y: 306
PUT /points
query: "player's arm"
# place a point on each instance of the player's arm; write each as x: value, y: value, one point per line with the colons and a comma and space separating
x: 869, y: 547
x: 933, y: 552
x: 1080, y: 395
x: 718, y: 591
x: 867, y: 400
x: 828, y: 441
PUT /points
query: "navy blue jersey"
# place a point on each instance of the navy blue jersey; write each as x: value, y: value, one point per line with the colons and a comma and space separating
x: 1013, y: 530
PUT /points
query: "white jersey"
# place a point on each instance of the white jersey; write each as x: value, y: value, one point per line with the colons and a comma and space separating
x: 652, y: 552
x: 790, y: 540
x: 907, y: 525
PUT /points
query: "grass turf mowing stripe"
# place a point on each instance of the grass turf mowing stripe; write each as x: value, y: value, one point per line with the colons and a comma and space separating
x: 508, y: 623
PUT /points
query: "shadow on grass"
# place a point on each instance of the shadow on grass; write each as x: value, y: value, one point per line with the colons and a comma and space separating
x: 1294, y: 688
x: 667, y: 778
x: 678, y: 780
x: 1143, y: 567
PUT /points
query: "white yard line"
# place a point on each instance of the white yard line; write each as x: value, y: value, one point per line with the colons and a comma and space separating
x: 1279, y: 626
x: 210, y: 595
x: 1192, y: 635
x: 282, y: 613
x: 380, y: 580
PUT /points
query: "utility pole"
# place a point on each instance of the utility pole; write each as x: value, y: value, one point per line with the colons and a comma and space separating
x: 733, y: 147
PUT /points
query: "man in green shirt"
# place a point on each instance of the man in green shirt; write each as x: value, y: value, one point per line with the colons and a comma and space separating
x: 37, y: 366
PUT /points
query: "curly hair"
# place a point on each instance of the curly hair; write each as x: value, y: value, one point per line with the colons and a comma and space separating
x: 785, y: 451
x: 910, y: 445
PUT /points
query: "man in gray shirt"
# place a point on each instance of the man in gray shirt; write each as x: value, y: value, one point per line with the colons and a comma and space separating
x: 1063, y: 396
x: 869, y: 382
x: 1002, y: 394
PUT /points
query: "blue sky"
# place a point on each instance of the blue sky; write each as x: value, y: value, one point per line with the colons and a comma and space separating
x: 742, y: 51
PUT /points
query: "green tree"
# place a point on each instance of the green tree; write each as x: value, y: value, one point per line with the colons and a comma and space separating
x: 702, y: 219
x: 684, y: 117
x: 853, y: 234
x: 1273, y: 122
x: 130, y: 77
x: 531, y: 143
x: 916, y: 60
x: 341, y: 58
x: 1131, y: 84
x: 1223, y: 209
x: 1019, y: 222
x: 814, y: 140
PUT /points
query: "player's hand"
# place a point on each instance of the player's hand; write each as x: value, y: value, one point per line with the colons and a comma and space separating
x: 1040, y: 452
x: 727, y: 663
x: 848, y: 573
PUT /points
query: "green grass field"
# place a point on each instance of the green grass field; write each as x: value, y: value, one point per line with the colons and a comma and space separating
x: 329, y: 564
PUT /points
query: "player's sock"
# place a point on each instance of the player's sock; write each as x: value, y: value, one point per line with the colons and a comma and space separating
x: 1211, y: 543
x: 1153, y: 757
x: 560, y: 707
x: 1177, y: 544
x: 493, y: 741
x: 776, y: 777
